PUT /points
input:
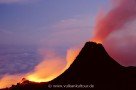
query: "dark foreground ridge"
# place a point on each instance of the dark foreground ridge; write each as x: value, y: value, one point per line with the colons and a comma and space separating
x: 93, y: 68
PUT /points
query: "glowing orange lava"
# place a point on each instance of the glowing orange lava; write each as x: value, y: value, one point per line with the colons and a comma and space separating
x: 9, y: 80
x: 50, y: 69
x: 96, y: 40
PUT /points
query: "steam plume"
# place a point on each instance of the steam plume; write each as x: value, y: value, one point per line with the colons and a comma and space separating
x: 116, y: 30
x: 123, y: 11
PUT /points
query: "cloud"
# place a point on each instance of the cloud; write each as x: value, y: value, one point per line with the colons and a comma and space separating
x: 123, y: 44
x: 116, y: 30
x: 115, y: 19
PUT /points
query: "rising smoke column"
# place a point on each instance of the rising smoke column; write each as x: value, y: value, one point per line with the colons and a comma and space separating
x: 116, y: 29
x: 122, y: 12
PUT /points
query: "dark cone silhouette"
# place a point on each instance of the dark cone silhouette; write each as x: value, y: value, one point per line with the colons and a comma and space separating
x: 94, y: 69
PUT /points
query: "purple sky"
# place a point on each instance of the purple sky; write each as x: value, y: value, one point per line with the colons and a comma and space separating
x: 53, y: 23
x: 57, y: 24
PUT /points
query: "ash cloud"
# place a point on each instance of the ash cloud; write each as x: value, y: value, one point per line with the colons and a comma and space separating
x: 116, y: 30
x: 123, y: 11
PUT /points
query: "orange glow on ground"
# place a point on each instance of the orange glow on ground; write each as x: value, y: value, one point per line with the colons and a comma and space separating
x: 50, y: 69
x: 46, y: 70
x: 9, y: 80
x: 36, y: 79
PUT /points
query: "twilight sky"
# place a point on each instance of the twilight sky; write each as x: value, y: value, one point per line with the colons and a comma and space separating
x: 53, y: 23
x: 58, y: 28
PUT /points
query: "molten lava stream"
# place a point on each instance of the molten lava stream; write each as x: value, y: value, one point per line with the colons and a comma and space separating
x: 53, y: 67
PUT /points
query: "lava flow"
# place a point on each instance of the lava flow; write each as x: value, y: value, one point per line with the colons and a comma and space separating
x: 55, y: 67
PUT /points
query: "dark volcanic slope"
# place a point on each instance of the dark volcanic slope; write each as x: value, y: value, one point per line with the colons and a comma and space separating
x: 93, y: 66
